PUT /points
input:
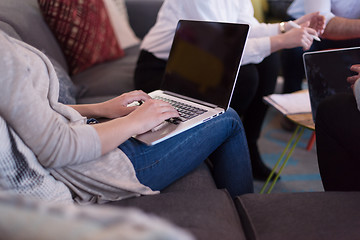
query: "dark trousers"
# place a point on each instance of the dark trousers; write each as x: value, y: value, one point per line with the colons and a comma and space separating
x: 337, y: 143
x: 149, y: 72
x: 254, y: 82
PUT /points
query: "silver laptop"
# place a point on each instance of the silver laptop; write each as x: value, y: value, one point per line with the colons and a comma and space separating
x: 200, y: 75
x: 326, y: 72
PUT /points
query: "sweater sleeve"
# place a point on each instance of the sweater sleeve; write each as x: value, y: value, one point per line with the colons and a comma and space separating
x: 24, y: 104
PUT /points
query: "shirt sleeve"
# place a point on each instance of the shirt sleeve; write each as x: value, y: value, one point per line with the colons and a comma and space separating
x: 264, y: 30
x: 258, y: 44
x: 323, y: 6
x: 256, y: 50
x: 25, y: 106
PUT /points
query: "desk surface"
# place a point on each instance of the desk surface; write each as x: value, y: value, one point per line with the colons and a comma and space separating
x: 303, y: 119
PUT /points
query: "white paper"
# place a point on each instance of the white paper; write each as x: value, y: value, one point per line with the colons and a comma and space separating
x: 291, y: 103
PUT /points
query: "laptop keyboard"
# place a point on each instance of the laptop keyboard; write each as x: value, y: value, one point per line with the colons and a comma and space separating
x: 186, y: 111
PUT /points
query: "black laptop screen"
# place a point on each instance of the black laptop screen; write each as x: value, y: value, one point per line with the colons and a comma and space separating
x: 326, y: 72
x: 204, y: 60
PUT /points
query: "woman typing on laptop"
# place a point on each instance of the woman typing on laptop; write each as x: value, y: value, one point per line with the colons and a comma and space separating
x: 50, y: 146
x: 259, y: 70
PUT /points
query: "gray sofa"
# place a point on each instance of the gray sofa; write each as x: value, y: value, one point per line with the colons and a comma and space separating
x: 193, y: 202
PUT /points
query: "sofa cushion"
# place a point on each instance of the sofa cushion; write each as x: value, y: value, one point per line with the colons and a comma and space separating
x: 208, y: 214
x: 83, y: 30
x: 109, y: 79
x: 26, y: 19
x: 199, y: 179
x: 310, y: 215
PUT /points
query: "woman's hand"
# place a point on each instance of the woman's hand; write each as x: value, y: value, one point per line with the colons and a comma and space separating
x: 352, y: 80
x: 118, y: 107
x: 299, y: 37
x: 316, y: 22
x: 150, y: 114
x: 295, y: 37
x: 140, y: 120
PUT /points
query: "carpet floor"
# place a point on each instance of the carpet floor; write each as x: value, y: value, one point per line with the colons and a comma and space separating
x: 301, y: 174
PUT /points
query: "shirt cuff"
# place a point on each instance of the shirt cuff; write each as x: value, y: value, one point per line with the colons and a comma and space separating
x: 256, y: 50
x: 328, y: 16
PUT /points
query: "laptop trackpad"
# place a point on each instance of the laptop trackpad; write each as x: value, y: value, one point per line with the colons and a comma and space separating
x: 160, y: 131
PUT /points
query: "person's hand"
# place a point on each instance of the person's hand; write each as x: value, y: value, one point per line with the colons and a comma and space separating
x: 140, y: 120
x: 117, y: 107
x: 150, y: 114
x: 299, y: 37
x: 352, y: 80
x: 316, y: 21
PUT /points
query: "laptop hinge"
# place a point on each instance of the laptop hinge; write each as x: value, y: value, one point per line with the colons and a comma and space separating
x: 191, y: 99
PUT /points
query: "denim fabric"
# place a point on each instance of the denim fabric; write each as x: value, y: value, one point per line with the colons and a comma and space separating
x: 221, y: 139
x: 92, y: 121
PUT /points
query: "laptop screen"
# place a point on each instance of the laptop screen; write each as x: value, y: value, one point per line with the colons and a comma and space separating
x: 326, y: 73
x: 204, y: 60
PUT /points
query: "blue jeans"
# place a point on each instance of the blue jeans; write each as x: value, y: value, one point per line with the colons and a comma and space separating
x: 222, y: 139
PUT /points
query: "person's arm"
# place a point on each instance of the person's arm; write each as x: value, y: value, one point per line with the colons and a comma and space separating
x: 339, y: 28
x: 145, y: 117
x: 113, y: 108
x: 26, y: 80
x: 127, y: 121
x: 296, y: 37
x: 257, y: 48
x: 27, y: 104
x: 311, y: 24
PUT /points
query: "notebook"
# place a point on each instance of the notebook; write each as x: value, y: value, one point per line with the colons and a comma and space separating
x: 326, y: 72
x: 201, y: 72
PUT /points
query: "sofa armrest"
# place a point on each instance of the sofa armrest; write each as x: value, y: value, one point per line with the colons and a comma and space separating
x: 142, y: 15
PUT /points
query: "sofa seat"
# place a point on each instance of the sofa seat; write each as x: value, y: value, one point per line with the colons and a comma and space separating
x: 195, y: 204
x: 197, y: 211
x: 306, y: 215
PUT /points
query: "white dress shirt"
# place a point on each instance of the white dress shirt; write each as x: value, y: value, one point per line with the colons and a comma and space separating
x: 328, y: 8
x: 159, y: 39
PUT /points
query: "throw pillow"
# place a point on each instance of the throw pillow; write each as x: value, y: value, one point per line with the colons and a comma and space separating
x: 83, y: 30
x: 120, y: 21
